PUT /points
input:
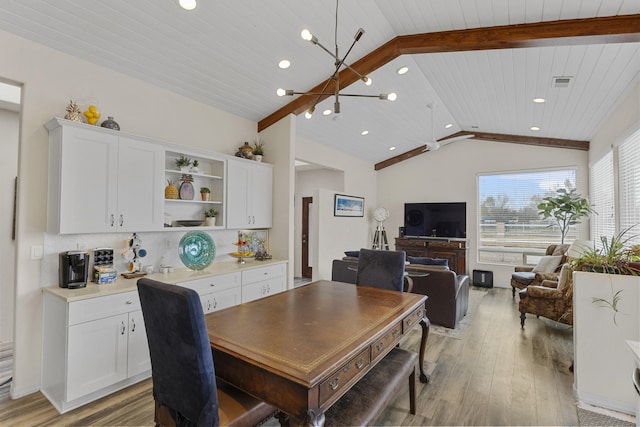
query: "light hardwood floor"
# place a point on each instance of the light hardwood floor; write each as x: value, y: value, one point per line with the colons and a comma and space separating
x: 495, y: 373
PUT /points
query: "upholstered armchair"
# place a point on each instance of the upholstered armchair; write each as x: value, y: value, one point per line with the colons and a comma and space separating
x: 524, y: 276
x: 553, y: 299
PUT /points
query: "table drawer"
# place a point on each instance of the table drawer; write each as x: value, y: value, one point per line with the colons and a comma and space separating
x: 381, y: 345
x: 411, y: 320
x: 342, y: 376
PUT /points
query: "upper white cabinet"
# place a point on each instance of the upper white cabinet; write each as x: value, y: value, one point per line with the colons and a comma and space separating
x: 100, y: 181
x: 249, y: 194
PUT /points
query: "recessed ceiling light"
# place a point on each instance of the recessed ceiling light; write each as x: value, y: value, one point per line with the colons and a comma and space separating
x: 448, y: 126
x: 326, y: 112
x: 364, y: 132
x: 402, y: 70
x: 392, y: 148
x: 284, y: 64
x: 539, y: 100
x: 535, y: 128
x: 187, y: 4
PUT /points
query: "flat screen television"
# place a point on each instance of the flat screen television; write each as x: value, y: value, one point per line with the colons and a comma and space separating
x: 446, y: 220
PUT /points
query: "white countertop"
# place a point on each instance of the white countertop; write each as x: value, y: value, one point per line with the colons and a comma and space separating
x: 179, y: 275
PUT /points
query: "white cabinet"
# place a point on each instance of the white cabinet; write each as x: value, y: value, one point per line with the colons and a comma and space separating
x: 249, y: 194
x: 216, y: 292
x: 263, y: 281
x: 92, y: 348
x: 189, y: 206
x: 100, y: 181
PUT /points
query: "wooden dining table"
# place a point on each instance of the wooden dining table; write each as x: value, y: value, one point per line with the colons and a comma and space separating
x: 302, y: 349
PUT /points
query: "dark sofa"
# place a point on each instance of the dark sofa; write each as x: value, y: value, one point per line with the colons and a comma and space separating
x: 448, y: 292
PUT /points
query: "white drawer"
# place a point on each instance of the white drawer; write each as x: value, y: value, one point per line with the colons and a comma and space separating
x: 263, y: 273
x: 213, y: 283
x: 101, y: 307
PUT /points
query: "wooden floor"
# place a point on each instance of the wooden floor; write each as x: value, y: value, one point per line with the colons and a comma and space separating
x: 495, y: 373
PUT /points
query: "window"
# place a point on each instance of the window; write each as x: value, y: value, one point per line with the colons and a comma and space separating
x: 629, y: 185
x: 603, y: 218
x: 510, y: 229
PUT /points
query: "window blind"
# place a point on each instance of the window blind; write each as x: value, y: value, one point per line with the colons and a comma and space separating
x: 602, y: 199
x: 629, y: 186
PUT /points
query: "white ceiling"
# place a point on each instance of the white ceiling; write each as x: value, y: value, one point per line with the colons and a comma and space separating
x: 225, y: 53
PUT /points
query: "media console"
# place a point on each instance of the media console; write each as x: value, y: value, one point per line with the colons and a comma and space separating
x: 452, y: 249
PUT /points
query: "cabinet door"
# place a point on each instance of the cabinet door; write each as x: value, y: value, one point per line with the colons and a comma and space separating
x: 138, y: 359
x: 88, y: 181
x: 261, y: 197
x: 263, y: 289
x: 140, y: 186
x: 218, y: 300
x: 238, y: 179
x: 97, y: 355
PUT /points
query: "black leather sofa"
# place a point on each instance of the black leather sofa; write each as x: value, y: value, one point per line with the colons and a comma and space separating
x: 448, y: 292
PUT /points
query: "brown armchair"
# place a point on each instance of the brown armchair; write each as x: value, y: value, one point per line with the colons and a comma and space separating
x: 523, y: 276
x: 553, y: 299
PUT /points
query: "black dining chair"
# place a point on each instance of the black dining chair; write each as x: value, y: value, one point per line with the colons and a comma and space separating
x: 185, y: 387
x: 381, y: 269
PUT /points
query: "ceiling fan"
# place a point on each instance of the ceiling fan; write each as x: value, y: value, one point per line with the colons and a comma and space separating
x: 434, y: 145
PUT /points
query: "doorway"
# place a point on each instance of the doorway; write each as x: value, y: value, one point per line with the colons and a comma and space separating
x: 307, y: 269
x: 10, y: 108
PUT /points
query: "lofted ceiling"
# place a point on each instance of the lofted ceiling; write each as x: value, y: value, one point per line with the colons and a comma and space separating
x: 226, y: 54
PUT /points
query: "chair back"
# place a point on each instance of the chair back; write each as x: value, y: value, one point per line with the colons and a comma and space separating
x: 181, y: 360
x: 565, y: 282
x: 381, y: 269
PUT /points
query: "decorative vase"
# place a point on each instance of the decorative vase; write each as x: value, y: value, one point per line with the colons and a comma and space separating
x: 258, y: 157
x: 210, y: 221
x: 170, y: 191
x: 205, y: 196
x: 247, y: 150
x: 110, y: 124
x: 186, y: 188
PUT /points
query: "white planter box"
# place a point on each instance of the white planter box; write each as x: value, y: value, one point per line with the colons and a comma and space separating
x: 603, y: 364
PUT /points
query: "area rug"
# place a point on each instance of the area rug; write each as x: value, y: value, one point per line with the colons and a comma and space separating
x: 603, y: 418
x: 475, y: 298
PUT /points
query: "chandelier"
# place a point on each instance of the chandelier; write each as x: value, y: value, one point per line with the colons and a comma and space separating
x: 335, y: 77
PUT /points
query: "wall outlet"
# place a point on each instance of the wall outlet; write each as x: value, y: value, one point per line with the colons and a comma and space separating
x: 36, y: 252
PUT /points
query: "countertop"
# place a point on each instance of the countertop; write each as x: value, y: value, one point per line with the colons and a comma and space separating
x: 179, y: 275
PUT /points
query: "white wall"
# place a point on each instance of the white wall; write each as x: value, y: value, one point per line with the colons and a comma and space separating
x: 9, y: 122
x: 50, y: 79
x: 334, y: 235
x: 449, y: 175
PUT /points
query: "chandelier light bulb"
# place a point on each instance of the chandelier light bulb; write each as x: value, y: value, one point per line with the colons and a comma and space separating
x: 367, y: 80
x: 281, y: 92
x: 284, y: 64
x: 187, y: 4
x: 392, y: 96
x: 306, y: 35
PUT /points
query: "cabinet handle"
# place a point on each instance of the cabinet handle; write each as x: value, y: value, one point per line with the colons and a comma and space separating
x: 379, y: 346
x: 208, y: 305
x: 215, y: 303
x: 113, y: 220
x: 121, y: 220
x: 359, y: 363
x: 334, y: 384
x: 129, y: 302
x: 123, y: 328
x: 133, y: 325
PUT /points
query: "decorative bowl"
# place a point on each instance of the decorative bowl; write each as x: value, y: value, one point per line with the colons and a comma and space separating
x: 190, y: 223
x: 196, y: 250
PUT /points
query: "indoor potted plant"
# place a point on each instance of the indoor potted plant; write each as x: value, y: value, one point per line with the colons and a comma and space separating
x: 210, y: 217
x: 195, y: 167
x: 183, y: 163
x: 205, y: 193
x: 258, y: 150
x: 567, y: 207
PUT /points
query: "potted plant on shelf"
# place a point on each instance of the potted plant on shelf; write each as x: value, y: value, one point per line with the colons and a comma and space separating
x: 567, y: 207
x: 258, y: 149
x: 183, y: 163
x: 195, y: 167
x: 210, y: 217
x: 205, y: 193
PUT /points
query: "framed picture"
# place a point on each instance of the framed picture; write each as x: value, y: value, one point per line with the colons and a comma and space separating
x: 348, y: 205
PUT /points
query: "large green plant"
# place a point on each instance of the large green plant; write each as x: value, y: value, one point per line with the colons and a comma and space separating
x: 566, y: 207
x: 617, y: 256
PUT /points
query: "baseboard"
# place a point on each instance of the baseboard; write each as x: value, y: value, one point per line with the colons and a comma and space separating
x: 17, y: 393
x: 599, y: 401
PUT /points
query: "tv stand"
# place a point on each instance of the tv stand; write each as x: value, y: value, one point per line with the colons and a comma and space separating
x: 452, y: 249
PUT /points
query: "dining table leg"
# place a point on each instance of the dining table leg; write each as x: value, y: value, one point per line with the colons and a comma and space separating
x: 311, y: 419
x: 425, y: 323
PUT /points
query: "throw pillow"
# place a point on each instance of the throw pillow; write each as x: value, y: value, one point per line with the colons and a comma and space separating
x: 428, y: 261
x: 353, y: 254
x: 547, y: 264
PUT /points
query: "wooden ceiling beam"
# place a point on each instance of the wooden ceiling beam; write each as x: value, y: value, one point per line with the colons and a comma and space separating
x: 610, y: 29
x: 498, y: 137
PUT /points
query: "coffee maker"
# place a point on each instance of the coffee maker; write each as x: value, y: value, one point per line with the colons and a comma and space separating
x: 73, y: 269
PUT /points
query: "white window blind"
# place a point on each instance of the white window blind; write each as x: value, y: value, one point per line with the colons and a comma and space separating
x: 629, y: 185
x: 602, y: 199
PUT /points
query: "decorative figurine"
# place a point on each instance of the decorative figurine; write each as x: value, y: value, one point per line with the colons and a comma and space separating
x: 73, y: 112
